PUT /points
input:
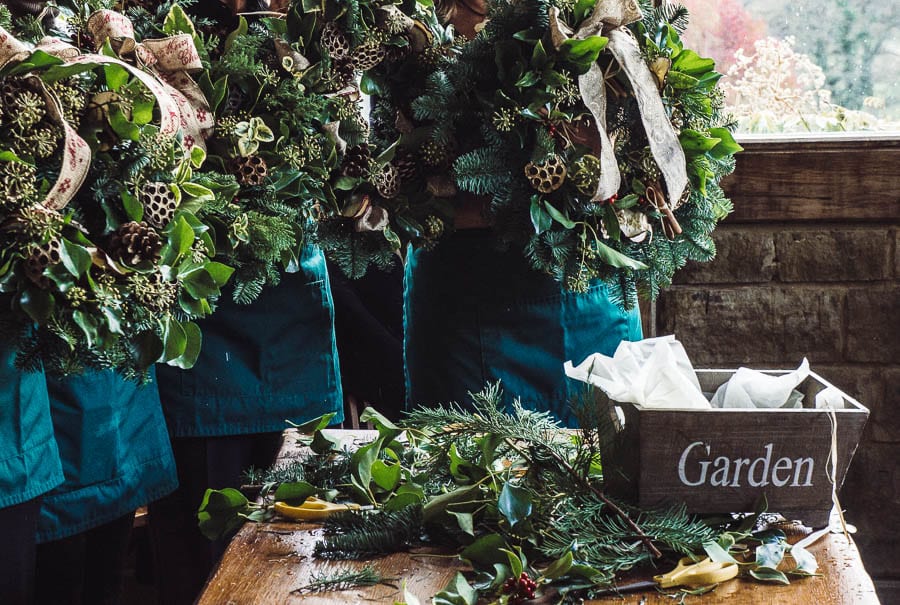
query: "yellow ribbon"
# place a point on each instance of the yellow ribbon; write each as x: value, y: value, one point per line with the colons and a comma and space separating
x: 611, y: 18
x: 182, y: 103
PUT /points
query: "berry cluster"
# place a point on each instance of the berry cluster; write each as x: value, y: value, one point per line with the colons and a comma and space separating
x: 520, y: 589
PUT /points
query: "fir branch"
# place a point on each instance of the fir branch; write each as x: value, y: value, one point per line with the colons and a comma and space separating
x: 343, y: 578
x: 353, y: 535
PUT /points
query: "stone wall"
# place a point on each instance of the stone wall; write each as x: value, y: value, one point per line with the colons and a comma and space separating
x: 807, y: 267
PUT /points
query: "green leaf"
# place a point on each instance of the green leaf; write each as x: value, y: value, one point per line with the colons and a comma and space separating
x: 88, y: 326
x: 322, y: 443
x: 146, y: 348
x: 629, y: 201
x: 121, y: 125
x: 486, y: 551
x: 116, y: 76
x: 717, y: 554
x: 386, y: 476
x: 316, y: 424
x: 514, y: 503
x: 400, y: 501
x: 436, y: 507
x: 194, y: 340
x: 133, y: 207
x: 200, y: 284
x: 540, y: 218
x: 174, y: 339
x: 465, y: 521
x: 361, y: 463
x: 75, y: 258
x: 583, y: 51
x: 726, y: 146
x: 559, y: 568
x: 691, y: 63
x: 236, y: 34
x: 37, y: 60
x: 9, y: 156
x: 770, y: 555
x: 539, y: 56
x: 457, y: 592
x: 199, y: 192
x: 181, y: 238
x: 614, y: 258
x: 529, y: 78
x: 219, y: 512
x: 295, y: 492
x: 516, y: 565
x: 681, y: 81
x: 697, y: 142
x: 37, y: 303
x: 767, y: 574
x: 220, y: 273
x: 582, y: 9
x: 177, y: 22
x: 386, y: 429
x: 559, y: 217
x: 805, y: 560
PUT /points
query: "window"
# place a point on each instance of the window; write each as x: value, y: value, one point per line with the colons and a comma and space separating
x: 803, y: 66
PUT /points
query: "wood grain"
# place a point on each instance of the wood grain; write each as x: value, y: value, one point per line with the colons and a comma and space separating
x: 265, y: 563
x: 837, y: 179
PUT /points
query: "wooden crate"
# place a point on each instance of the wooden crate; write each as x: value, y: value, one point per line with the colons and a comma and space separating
x: 725, y: 460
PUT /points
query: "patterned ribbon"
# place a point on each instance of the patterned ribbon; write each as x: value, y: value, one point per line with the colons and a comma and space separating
x: 182, y: 103
x: 76, y: 159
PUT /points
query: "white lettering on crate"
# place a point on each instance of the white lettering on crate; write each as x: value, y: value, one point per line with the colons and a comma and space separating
x: 722, y: 471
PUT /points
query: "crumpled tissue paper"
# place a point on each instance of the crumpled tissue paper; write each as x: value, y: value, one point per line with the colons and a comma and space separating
x: 753, y: 389
x: 654, y: 372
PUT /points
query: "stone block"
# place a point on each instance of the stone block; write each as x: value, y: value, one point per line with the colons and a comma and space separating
x: 876, y: 388
x: 743, y: 255
x: 872, y: 324
x: 826, y: 255
x: 760, y: 326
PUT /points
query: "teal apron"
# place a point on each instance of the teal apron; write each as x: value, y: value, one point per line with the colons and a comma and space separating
x: 474, y: 315
x: 261, y: 364
x: 114, y: 448
x: 29, y: 459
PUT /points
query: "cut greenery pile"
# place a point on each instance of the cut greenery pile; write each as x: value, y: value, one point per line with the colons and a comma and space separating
x: 513, y: 492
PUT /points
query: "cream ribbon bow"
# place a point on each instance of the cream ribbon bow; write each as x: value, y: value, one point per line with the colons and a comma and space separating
x: 610, y: 18
x: 170, y: 59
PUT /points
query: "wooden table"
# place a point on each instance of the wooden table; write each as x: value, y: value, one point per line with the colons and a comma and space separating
x: 265, y: 562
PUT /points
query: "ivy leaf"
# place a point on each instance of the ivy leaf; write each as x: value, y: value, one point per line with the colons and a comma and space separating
x: 692, y: 64
x: 400, y: 501
x: 770, y: 555
x: 37, y: 303
x: 805, y: 560
x: 386, y: 429
x: 75, y: 258
x: 386, y: 476
x: 87, y: 324
x: 121, y: 125
x: 514, y: 503
x: 726, y: 146
x: 529, y: 78
x: 220, y: 273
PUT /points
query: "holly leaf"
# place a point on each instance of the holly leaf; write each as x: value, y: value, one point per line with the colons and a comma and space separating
x: 514, y: 503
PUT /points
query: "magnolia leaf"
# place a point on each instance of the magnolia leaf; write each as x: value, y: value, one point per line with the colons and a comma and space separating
x: 615, y: 258
x: 540, y: 218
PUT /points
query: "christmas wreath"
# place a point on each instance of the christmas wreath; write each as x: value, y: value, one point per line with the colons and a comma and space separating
x: 100, y: 245
x: 594, y: 138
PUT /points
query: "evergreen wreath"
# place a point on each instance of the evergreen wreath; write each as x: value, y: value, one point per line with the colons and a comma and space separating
x: 115, y: 277
x: 509, y: 111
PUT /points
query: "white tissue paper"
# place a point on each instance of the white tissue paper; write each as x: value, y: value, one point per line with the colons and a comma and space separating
x: 654, y: 372
x: 752, y: 389
x: 830, y: 397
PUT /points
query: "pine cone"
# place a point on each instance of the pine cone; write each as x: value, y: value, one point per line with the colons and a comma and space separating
x: 356, y: 161
x: 368, y: 55
x: 334, y: 41
x: 387, y: 182
x: 405, y: 163
x: 133, y: 243
x: 40, y: 258
x: 159, y: 203
x: 251, y: 170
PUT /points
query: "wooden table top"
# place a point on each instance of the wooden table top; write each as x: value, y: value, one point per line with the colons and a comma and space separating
x: 266, y: 562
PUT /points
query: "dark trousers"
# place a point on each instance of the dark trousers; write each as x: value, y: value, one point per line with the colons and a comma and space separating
x: 183, y: 557
x: 84, y: 569
x: 18, y: 526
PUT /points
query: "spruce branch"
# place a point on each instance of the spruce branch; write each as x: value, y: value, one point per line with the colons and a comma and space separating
x: 343, y: 578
